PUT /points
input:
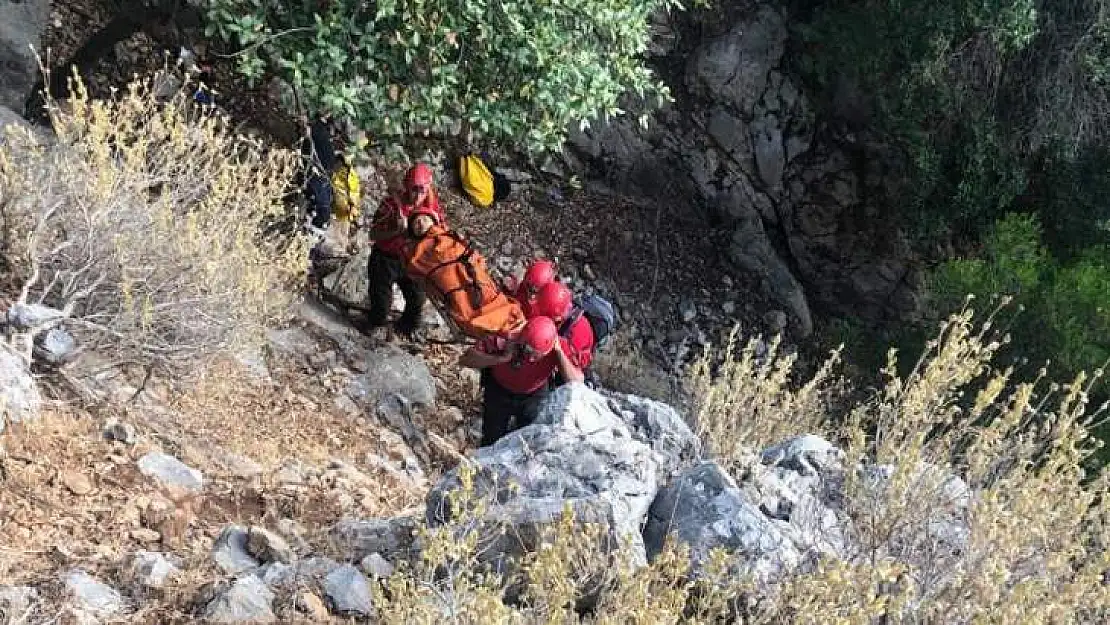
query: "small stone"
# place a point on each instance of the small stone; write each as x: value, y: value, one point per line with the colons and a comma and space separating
x: 376, y: 566
x: 349, y: 591
x: 171, y: 471
x: 77, y: 483
x: 145, y: 535
x: 776, y: 321
x: 728, y: 308
x: 121, y: 432
x: 589, y: 272
x: 688, y: 311
x: 153, y: 569
x: 292, y: 472
x: 268, y: 546
x: 308, y: 603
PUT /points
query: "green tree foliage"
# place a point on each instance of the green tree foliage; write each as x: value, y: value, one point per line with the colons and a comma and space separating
x: 518, y: 71
x: 1064, y: 306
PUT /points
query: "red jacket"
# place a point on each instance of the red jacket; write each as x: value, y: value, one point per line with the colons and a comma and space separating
x: 387, y: 215
x: 525, y: 380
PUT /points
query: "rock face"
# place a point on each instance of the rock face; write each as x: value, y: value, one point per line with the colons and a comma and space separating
x: 802, y: 199
x: 152, y: 569
x: 19, y: 397
x: 21, y: 26
x: 171, y: 471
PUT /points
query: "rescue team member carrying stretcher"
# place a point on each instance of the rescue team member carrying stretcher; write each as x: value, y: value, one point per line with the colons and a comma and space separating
x: 390, y: 233
x: 517, y: 373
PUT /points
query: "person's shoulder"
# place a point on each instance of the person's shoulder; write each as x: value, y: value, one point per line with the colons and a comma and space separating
x: 581, y: 331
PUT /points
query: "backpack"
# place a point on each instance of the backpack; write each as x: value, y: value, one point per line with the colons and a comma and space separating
x: 458, y: 281
x: 599, y: 312
x: 482, y: 186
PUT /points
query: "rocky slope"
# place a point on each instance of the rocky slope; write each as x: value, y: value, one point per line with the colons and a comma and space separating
x: 800, y: 195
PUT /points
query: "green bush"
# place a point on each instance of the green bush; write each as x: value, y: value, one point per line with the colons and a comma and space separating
x: 513, y: 70
x: 1064, y: 307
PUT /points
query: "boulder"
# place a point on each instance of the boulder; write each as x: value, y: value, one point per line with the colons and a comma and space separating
x: 268, y: 546
x: 530, y: 475
x: 806, y: 454
x: 92, y: 596
x: 230, y: 551
x: 706, y: 510
x: 358, y: 538
x: 170, y: 471
x: 349, y: 591
x: 579, y: 408
x: 393, y: 376
x: 21, y: 27
x: 247, y: 600
x: 19, y: 396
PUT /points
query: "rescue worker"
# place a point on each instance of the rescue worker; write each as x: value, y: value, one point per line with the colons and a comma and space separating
x: 576, y: 335
x: 538, y: 274
x: 517, y: 374
x: 388, y: 231
x: 346, y: 199
x: 318, y: 153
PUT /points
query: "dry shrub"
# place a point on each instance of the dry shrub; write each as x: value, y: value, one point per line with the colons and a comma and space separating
x: 142, y: 221
x: 963, y: 500
x: 744, y: 401
x: 622, y: 367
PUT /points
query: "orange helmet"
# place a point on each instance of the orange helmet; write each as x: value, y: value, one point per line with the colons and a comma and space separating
x: 539, y: 274
x: 554, y: 300
x: 538, y: 337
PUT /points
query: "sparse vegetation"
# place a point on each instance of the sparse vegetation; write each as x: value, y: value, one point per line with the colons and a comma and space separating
x: 141, y: 221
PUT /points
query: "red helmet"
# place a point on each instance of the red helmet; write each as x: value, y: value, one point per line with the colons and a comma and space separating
x: 539, y: 274
x: 554, y: 300
x: 419, y: 175
x: 538, y: 337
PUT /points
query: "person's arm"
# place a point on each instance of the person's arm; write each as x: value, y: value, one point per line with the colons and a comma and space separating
x: 477, y: 359
x: 381, y: 230
x: 567, y: 369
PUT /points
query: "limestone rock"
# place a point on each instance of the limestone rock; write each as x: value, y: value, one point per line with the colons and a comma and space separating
x: 357, y: 539
x: 171, y: 471
x: 247, y: 600
x: 393, y: 374
x: 91, y: 595
x: 152, y: 569
x: 230, y: 551
x: 268, y: 546
x: 706, y: 510
x: 117, y: 431
x: 16, y: 602
x: 19, y: 396
x: 349, y: 591
x: 376, y: 566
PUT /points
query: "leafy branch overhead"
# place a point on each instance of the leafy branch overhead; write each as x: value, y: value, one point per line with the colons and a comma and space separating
x: 518, y: 71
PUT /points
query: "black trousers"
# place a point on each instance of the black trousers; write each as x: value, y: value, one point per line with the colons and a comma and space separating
x: 384, y: 271
x: 504, y: 411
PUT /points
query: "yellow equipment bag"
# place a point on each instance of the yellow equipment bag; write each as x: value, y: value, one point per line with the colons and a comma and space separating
x: 345, y: 193
x: 477, y: 180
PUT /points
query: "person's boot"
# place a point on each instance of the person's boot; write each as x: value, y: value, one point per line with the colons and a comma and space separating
x: 408, y: 326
